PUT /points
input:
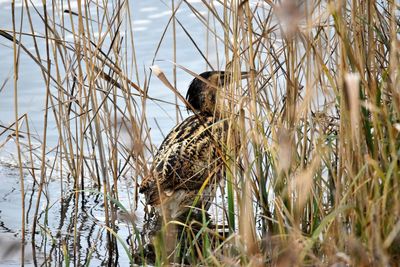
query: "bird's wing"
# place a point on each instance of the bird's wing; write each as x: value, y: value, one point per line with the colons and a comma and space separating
x: 185, y: 158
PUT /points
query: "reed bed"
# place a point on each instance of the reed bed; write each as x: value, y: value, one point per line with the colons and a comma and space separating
x: 314, y: 179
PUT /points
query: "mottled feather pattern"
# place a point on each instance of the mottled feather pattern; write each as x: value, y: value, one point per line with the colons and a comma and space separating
x: 186, y: 157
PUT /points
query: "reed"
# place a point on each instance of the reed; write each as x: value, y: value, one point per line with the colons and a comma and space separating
x: 312, y: 153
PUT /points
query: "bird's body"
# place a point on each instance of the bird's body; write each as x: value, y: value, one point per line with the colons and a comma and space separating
x: 189, y: 159
x: 186, y: 158
x: 189, y: 164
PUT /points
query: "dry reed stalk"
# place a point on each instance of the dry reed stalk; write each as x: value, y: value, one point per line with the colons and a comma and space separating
x: 247, y: 229
x: 352, y: 82
x: 22, y: 184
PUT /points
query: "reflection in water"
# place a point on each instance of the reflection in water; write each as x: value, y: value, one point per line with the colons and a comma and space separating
x: 74, y: 229
x: 69, y: 228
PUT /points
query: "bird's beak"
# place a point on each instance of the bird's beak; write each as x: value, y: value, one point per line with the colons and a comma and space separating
x: 247, y: 74
x: 227, y: 77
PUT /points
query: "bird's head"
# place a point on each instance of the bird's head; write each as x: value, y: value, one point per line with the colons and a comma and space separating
x: 204, y: 90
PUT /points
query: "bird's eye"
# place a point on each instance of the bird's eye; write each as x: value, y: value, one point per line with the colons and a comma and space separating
x: 223, y: 79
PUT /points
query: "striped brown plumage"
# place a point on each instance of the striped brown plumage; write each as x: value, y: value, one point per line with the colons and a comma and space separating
x: 185, y: 159
x: 189, y: 154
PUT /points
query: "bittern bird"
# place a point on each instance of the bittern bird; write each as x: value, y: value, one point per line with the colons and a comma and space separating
x: 190, y: 155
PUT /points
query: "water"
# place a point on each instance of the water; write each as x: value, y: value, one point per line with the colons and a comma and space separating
x: 149, y: 20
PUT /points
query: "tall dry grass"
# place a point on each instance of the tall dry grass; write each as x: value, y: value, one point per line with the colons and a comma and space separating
x: 315, y: 180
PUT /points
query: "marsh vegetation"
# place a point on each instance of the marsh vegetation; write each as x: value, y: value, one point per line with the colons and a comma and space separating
x: 313, y: 181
